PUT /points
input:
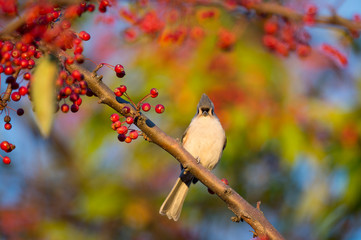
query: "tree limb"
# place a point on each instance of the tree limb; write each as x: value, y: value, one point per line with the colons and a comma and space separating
x: 241, y: 208
x: 334, y: 19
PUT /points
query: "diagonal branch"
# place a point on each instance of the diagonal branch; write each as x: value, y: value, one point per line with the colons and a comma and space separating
x: 241, y: 208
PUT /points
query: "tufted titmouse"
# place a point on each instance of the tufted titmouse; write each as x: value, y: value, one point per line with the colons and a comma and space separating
x: 205, y: 140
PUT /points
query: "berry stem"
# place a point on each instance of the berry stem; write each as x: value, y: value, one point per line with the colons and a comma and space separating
x: 10, y: 109
x: 92, y: 61
x: 127, y: 96
x: 108, y: 65
x: 142, y: 100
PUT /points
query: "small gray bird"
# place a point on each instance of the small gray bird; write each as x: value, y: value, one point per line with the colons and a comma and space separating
x: 205, y: 140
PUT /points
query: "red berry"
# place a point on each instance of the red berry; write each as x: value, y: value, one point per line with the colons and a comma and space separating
x: 129, y: 120
x: 159, y: 108
x: 15, y: 96
x: 78, y: 50
x: 64, y: 108
x: 12, y: 147
x: 121, y: 137
x: 7, y: 126
x: 77, y: 90
x: 78, y: 102
x: 123, y: 88
x: 282, y: 49
x: 14, y: 85
x: 270, y: 41
x: 118, y: 68
x: 23, y: 91
x: 114, y: 117
x: 31, y: 64
x: 73, y: 97
x: 67, y: 91
x: 27, y: 76
x: 20, y: 111
x: 128, y: 140
x: 4, y: 145
x: 15, y: 53
x: 122, y: 130
x: 74, y: 108
x: 6, y: 160
x: 153, y: 92
x: 120, y: 75
x: 77, y: 41
x: 270, y: 27
x: 116, y: 125
x: 6, y: 56
x: 105, y: 3
x: 24, y: 63
x: 303, y: 50
x: 9, y: 70
x: 133, y: 134
x: 146, y: 107
x: 126, y: 110
x: 79, y: 58
x: 90, y: 7
x: 7, y: 119
x: 225, y: 181
x: 83, y: 84
x: 69, y: 61
x: 117, y: 92
x: 84, y: 35
x: 77, y: 75
x: 65, y: 24
x: 102, y: 8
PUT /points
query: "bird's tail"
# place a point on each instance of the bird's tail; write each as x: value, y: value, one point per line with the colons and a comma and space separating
x: 172, y: 205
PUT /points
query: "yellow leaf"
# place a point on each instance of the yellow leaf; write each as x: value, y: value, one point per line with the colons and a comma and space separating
x: 43, y: 92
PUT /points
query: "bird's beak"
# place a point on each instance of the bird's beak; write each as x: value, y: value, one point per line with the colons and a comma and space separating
x: 205, y: 113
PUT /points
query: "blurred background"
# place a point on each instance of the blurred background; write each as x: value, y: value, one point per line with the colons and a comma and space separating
x: 292, y: 124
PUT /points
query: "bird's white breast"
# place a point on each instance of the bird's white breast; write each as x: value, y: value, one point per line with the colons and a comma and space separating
x: 205, y: 139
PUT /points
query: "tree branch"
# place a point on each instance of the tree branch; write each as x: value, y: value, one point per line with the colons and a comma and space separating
x: 334, y: 19
x: 241, y: 208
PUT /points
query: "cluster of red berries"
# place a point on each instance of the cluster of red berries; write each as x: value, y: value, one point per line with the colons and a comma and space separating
x: 159, y: 108
x: 224, y: 180
x: 153, y: 24
x: 17, y: 56
x: 78, y: 47
x: 118, y: 126
x: 125, y: 134
x: 44, y: 23
x: 16, y: 59
x: 283, y: 37
x: 72, y: 86
x: 6, y: 147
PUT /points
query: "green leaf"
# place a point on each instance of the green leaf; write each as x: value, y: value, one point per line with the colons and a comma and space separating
x: 43, y: 92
